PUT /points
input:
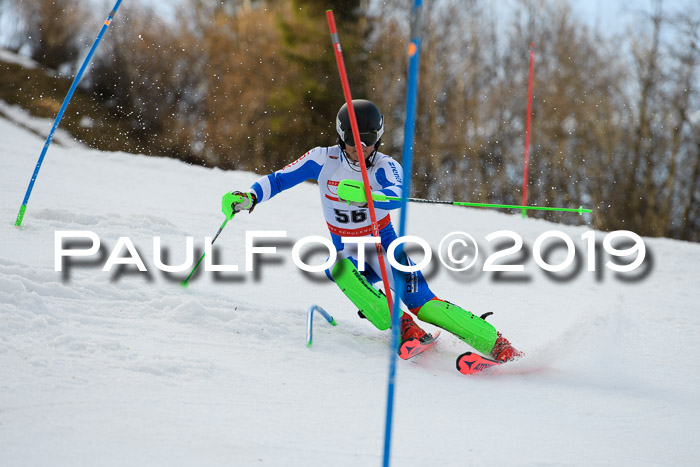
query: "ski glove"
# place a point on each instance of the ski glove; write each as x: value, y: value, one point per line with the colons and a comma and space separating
x: 237, y: 201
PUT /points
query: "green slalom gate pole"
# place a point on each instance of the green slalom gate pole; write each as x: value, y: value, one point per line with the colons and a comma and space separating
x: 352, y: 190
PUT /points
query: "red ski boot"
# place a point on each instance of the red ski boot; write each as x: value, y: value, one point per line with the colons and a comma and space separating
x: 410, y: 329
x: 503, y: 351
x: 413, y: 339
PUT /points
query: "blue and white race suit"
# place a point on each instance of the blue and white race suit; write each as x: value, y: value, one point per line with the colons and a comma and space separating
x: 329, y: 166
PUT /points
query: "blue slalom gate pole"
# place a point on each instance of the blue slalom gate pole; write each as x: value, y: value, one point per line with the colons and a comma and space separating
x: 106, y: 24
x: 407, y: 160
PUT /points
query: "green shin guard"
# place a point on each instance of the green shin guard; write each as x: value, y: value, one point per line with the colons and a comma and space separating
x: 370, y: 301
x: 470, y: 328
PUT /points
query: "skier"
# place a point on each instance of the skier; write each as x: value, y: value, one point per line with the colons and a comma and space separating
x: 329, y: 166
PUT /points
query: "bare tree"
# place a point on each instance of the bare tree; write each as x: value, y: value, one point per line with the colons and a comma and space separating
x: 147, y: 74
x: 53, y: 30
x: 250, y: 84
x: 240, y: 71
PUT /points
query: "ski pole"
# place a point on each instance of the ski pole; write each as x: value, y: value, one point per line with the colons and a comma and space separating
x: 184, y: 283
x: 351, y: 190
x: 235, y: 199
x: 106, y: 24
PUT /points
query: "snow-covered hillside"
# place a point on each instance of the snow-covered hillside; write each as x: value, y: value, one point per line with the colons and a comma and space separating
x: 128, y: 368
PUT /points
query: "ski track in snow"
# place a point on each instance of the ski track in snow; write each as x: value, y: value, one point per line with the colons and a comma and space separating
x: 127, y: 368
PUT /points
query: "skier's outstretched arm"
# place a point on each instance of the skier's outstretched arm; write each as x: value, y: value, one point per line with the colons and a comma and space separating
x: 307, y: 167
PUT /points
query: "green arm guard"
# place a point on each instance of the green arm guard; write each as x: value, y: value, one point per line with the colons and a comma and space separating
x: 354, y: 191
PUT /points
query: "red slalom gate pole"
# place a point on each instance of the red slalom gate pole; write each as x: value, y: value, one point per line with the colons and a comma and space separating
x: 527, y: 127
x: 356, y: 136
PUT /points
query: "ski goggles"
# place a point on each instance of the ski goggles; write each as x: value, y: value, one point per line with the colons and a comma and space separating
x: 368, y: 139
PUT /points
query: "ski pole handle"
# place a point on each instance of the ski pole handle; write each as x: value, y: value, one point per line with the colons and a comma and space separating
x: 229, y: 200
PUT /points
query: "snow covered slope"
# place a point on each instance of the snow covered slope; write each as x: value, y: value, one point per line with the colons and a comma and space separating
x: 128, y: 368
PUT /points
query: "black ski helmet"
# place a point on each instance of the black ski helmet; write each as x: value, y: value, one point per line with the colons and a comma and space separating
x: 370, y: 123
